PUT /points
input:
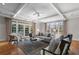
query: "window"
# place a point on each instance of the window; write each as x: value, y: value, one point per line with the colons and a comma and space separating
x: 55, y: 27
x: 31, y: 29
x: 13, y: 28
x: 21, y: 28
x: 26, y: 30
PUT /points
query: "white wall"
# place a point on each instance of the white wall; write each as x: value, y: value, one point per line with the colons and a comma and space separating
x: 40, y: 27
x: 73, y: 27
x: 2, y: 29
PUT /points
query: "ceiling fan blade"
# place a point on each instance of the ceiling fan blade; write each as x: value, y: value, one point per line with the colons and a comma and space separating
x: 36, y: 12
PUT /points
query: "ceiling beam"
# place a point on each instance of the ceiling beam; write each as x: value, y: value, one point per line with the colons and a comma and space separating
x: 5, y: 15
x: 19, y: 9
x: 58, y: 11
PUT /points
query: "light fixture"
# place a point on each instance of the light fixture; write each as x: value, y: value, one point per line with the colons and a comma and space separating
x: 54, y: 30
x: 38, y: 30
x: 3, y: 3
x: 35, y: 12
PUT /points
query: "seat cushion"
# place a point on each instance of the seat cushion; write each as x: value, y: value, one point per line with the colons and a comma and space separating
x: 53, y: 45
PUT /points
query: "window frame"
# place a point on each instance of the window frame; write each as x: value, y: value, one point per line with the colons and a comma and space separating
x: 17, y: 25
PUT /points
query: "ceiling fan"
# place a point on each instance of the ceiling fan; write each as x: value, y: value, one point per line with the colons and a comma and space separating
x: 35, y: 12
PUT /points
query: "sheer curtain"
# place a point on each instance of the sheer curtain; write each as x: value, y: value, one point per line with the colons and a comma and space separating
x: 65, y: 27
x: 34, y: 28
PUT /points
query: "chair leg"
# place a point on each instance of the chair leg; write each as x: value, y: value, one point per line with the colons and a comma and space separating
x: 43, y: 52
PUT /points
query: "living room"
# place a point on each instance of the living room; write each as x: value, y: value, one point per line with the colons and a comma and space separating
x: 30, y: 28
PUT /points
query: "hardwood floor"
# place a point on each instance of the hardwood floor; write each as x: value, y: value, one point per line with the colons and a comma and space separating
x: 31, y: 48
x: 7, y: 48
x: 74, y: 48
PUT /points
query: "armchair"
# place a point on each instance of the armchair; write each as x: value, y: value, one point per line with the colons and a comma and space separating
x: 61, y: 49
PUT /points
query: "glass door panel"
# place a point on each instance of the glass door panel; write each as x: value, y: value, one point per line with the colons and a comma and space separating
x: 13, y: 28
x: 26, y: 30
x: 20, y: 29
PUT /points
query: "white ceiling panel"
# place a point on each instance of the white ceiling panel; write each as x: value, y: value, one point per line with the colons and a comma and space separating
x: 51, y: 19
x: 9, y: 6
x: 39, y: 11
x: 67, y: 7
x: 44, y: 10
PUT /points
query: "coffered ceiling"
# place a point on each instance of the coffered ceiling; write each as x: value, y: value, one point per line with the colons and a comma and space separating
x: 45, y: 12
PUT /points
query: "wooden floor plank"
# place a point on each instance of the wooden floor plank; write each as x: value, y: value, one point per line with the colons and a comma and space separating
x: 7, y: 48
x: 74, y: 48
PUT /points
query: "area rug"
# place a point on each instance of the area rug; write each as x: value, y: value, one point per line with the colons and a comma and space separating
x: 32, y: 47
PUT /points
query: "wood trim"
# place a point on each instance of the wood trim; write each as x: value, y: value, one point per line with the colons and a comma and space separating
x: 34, y: 28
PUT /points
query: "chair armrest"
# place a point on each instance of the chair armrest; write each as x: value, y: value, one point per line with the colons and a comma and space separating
x: 48, y: 52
